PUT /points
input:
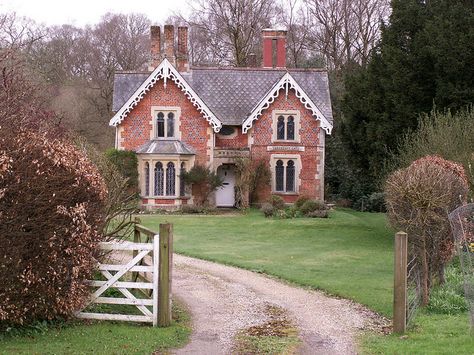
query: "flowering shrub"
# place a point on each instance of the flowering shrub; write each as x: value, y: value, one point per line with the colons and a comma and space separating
x: 419, y: 199
x: 51, y: 219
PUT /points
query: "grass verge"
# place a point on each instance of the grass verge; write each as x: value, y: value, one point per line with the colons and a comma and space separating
x: 100, y: 338
x: 430, y: 334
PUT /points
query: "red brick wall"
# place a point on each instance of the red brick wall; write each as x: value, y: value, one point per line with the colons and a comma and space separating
x: 309, y: 138
x: 193, y: 127
x: 237, y: 142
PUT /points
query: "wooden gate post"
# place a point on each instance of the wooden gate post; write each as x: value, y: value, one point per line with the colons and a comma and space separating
x: 164, y: 283
x: 400, y: 283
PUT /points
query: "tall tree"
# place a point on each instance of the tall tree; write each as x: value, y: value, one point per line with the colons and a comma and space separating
x: 412, y: 68
x: 231, y: 28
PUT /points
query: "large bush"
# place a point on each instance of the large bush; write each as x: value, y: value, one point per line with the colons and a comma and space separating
x: 126, y: 162
x: 449, y: 135
x: 204, y: 182
x: 419, y: 199
x: 51, y: 218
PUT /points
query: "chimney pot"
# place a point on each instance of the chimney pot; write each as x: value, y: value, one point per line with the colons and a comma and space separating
x: 274, y: 48
x: 155, y: 46
x: 169, y: 44
x: 182, y: 55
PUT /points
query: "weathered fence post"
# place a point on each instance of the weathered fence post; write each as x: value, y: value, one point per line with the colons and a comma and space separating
x: 164, y: 282
x: 136, y: 239
x: 400, y: 283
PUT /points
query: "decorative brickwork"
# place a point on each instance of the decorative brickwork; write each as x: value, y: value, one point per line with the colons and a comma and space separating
x: 310, y: 158
x: 137, y: 128
x: 235, y: 142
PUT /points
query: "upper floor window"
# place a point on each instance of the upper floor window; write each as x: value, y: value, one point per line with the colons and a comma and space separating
x: 165, y: 125
x: 286, y: 127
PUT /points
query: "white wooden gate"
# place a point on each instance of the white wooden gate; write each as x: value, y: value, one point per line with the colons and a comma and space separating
x: 140, y: 251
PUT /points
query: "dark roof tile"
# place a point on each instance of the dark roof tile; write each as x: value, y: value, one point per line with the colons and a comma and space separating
x: 232, y: 93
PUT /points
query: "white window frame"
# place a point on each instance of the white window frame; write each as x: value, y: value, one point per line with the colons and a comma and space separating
x: 286, y: 113
x: 177, y: 122
x: 285, y: 158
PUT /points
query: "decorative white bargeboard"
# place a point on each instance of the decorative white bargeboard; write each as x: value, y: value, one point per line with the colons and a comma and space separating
x: 113, y: 281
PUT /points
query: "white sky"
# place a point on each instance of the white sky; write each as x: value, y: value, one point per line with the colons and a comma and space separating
x: 82, y: 12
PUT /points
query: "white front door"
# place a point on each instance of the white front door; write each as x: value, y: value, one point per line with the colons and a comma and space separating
x: 225, y: 196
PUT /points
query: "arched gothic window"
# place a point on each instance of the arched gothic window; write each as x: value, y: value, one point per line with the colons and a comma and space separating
x: 160, y: 125
x: 279, y: 176
x: 170, y: 179
x: 290, y: 128
x: 159, y: 179
x: 181, y: 179
x: 290, y: 176
x: 281, y: 128
x: 147, y: 179
x: 170, y: 122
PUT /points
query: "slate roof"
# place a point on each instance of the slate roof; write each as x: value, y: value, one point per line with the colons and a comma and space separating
x: 232, y: 93
x: 169, y: 147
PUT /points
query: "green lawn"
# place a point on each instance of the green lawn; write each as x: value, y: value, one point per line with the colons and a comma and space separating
x: 349, y: 254
x: 430, y: 334
x: 100, y: 338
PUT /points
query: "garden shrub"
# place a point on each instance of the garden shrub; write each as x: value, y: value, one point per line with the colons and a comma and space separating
x: 267, y: 209
x: 419, y: 199
x: 277, y: 202
x: 318, y: 214
x: 126, y: 162
x: 375, y: 202
x: 301, y: 201
x: 204, y: 182
x: 191, y: 209
x: 52, y: 215
x: 261, y: 176
x: 311, y: 206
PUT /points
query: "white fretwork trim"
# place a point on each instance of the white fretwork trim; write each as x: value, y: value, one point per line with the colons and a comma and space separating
x: 287, y: 82
x: 166, y: 71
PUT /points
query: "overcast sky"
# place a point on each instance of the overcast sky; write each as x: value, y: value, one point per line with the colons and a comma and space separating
x: 82, y: 12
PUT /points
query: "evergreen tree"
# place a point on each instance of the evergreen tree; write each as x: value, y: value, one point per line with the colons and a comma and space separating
x: 424, y: 57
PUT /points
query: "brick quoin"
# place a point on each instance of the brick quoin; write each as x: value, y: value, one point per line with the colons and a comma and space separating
x: 309, y: 131
x: 193, y: 126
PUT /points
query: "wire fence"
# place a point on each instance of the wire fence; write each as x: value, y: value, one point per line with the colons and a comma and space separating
x: 462, y: 224
x: 413, y: 288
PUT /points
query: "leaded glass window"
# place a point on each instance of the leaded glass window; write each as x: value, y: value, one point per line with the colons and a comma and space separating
x: 281, y: 127
x: 279, y: 176
x: 147, y: 179
x: 290, y: 176
x: 160, y: 125
x: 290, y: 128
x: 159, y: 179
x: 181, y: 180
x: 170, y: 179
x: 170, y: 124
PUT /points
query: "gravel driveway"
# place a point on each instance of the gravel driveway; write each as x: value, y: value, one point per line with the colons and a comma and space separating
x: 222, y: 300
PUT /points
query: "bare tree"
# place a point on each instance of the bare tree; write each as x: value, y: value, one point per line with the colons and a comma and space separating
x: 230, y: 29
x: 295, y: 18
x: 345, y: 31
x: 18, y: 32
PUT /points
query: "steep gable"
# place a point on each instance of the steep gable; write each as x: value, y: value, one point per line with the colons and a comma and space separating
x: 165, y: 71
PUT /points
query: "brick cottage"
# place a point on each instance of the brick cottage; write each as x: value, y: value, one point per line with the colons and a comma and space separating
x: 175, y: 116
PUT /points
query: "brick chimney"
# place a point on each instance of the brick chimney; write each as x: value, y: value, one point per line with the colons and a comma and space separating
x: 274, y: 48
x: 155, y: 46
x: 182, y: 60
x: 169, y: 44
